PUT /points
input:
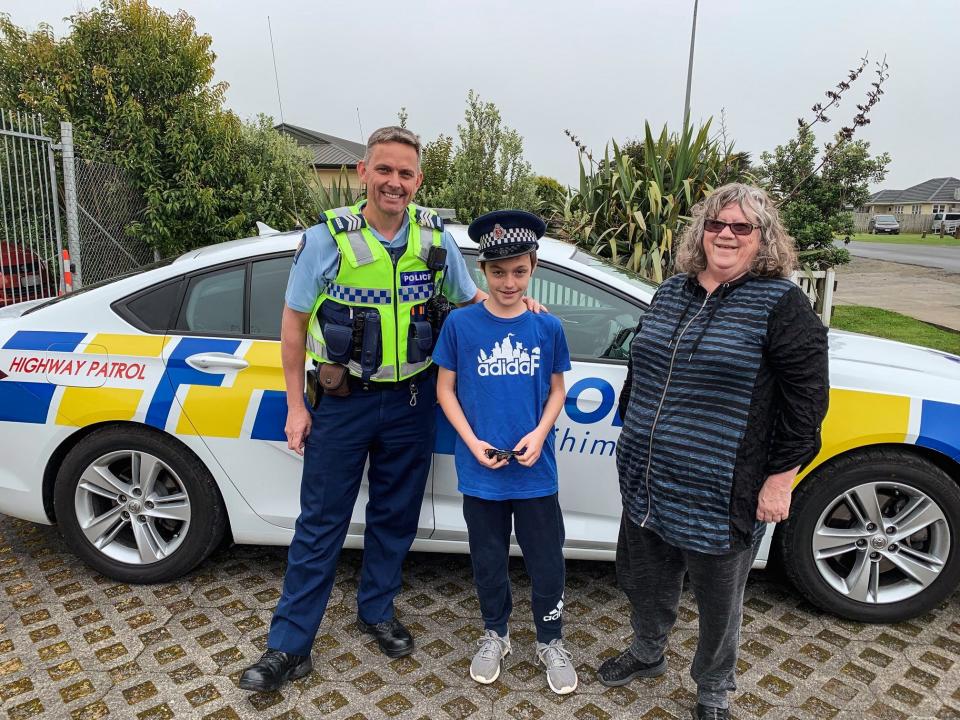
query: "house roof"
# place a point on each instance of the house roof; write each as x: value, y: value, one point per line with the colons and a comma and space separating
x: 935, y: 190
x: 328, y: 151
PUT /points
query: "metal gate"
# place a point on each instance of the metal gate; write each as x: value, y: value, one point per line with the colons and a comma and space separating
x: 31, y: 257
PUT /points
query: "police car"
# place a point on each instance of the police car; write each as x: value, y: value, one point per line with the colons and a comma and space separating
x: 145, y: 418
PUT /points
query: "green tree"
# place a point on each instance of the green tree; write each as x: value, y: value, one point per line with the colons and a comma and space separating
x: 487, y: 170
x: 435, y: 160
x: 817, y: 203
x: 137, y: 83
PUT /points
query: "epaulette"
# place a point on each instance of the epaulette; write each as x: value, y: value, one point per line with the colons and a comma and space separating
x: 347, y: 223
x: 429, y: 218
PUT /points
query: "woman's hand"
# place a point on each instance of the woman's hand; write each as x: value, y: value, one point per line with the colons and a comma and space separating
x: 773, y: 504
x: 533, y: 442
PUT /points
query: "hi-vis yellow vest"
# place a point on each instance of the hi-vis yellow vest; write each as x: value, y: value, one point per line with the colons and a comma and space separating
x: 367, y: 279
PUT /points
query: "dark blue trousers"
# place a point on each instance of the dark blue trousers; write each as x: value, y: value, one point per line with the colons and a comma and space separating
x: 398, y: 439
x: 538, y: 525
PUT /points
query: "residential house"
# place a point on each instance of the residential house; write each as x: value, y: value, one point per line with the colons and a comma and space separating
x: 933, y: 196
x: 330, y: 153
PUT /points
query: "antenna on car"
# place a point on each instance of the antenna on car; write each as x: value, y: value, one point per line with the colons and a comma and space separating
x: 276, y: 78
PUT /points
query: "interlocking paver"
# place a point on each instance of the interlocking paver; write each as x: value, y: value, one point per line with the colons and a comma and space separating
x: 74, y: 644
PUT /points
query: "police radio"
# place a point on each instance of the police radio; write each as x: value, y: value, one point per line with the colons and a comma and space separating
x: 437, y: 307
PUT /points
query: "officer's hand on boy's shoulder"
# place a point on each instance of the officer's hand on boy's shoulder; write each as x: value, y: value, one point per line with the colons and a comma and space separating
x: 533, y: 305
x: 532, y: 445
x: 297, y: 429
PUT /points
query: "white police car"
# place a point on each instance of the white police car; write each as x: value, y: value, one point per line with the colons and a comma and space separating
x: 145, y: 417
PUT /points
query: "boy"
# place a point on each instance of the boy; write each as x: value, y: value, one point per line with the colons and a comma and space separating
x: 501, y: 386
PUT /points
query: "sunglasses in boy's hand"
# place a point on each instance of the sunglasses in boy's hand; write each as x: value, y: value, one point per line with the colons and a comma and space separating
x: 507, y: 455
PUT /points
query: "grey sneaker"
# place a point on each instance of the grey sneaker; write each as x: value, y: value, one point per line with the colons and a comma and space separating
x: 561, y: 675
x: 485, y: 667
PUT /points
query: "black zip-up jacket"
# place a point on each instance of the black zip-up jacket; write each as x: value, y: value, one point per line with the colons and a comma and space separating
x: 723, y: 390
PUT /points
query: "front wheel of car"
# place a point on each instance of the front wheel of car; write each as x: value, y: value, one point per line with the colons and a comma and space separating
x: 873, y: 536
x: 136, y: 506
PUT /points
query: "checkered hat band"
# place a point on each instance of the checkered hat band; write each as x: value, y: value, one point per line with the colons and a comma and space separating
x: 365, y: 296
x: 509, y: 237
x: 415, y: 292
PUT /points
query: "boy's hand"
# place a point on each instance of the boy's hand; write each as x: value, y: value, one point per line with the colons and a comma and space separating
x: 479, y: 449
x: 533, y: 442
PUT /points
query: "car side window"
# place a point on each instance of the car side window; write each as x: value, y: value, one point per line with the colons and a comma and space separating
x: 268, y: 284
x: 213, y: 302
x: 151, y: 309
x: 598, y: 324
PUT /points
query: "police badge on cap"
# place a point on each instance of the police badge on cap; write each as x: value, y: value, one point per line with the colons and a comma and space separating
x: 506, y: 233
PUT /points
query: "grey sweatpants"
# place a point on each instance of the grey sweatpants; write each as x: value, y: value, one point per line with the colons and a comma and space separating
x: 651, y: 573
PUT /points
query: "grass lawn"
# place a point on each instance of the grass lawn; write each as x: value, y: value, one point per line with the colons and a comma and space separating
x: 893, y: 326
x: 908, y: 239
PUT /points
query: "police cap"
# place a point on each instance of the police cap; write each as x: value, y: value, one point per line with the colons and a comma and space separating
x: 506, y: 233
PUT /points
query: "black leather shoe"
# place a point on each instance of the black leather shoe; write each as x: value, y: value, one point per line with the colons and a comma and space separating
x: 706, y: 712
x: 273, y: 669
x: 392, y: 637
x: 625, y: 667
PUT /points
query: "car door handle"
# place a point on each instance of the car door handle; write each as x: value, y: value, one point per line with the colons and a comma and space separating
x: 216, y: 361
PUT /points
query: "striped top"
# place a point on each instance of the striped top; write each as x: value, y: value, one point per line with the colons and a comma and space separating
x: 724, y: 390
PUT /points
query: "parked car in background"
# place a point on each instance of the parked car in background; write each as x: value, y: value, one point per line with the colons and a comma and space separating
x: 883, y: 224
x: 145, y: 417
x: 23, y: 275
x: 948, y: 220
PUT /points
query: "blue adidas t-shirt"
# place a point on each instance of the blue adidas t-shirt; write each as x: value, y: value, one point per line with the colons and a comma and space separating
x: 503, y: 368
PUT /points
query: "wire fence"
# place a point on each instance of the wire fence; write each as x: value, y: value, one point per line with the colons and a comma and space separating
x: 108, y: 202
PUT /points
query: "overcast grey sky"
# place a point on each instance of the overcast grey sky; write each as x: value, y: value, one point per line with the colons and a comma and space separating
x: 597, y: 67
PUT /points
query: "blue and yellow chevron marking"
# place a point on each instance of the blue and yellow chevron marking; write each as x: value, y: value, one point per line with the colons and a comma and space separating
x: 29, y: 402
x: 81, y: 406
x: 217, y: 411
x: 179, y: 373
x: 940, y: 428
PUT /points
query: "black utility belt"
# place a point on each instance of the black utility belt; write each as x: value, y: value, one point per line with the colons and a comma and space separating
x: 356, y: 383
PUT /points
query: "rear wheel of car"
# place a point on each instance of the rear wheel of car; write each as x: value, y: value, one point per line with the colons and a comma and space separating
x: 873, y: 536
x: 136, y: 506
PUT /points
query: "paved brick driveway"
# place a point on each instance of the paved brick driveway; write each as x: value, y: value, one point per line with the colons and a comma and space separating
x: 74, y: 644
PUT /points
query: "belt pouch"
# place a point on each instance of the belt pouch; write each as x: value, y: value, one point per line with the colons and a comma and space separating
x: 370, y: 352
x: 339, y: 342
x: 420, y: 341
x: 333, y: 379
x: 314, y: 390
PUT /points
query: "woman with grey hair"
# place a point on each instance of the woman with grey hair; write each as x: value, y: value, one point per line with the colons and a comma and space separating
x: 721, y: 408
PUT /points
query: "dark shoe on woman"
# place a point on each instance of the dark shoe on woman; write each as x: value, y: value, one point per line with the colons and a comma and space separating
x: 625, y: 667
x: 393, y: 638
x: 273, y: 669
x: 707, y: 712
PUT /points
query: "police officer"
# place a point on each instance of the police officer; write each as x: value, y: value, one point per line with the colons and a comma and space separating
x: 355, y: 303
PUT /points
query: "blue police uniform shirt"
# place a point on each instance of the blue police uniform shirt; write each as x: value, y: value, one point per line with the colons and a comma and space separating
x: 317, y: 261
x: 503, y: 368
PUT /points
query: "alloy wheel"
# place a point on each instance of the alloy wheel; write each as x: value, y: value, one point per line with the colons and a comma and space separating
x: 132, y: 507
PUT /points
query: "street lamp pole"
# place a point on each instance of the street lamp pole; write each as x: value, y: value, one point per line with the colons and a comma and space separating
x: 693, y: 38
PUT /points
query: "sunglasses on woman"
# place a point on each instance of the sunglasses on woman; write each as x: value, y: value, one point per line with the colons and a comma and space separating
x: 737, y: 228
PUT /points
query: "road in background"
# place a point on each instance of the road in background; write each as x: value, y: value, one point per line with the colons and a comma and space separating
x: 924, y: 293
x: 945, y: 258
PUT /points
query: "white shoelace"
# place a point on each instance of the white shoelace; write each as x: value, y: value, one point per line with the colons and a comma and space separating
x: 554, y: 656
x: 491, y: 647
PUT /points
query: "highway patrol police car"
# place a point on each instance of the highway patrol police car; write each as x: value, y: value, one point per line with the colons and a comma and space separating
x: 145, y: 417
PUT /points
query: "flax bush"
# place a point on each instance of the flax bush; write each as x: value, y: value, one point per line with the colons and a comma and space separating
x: 630, y: 207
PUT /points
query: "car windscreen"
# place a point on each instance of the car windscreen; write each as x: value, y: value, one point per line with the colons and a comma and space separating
x: 618, y: 271
x: 102, y: 283
x: 885, y: 218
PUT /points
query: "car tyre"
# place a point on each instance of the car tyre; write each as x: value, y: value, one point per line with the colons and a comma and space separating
x: 819, y: 547
x: 136, y: 506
